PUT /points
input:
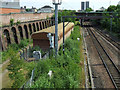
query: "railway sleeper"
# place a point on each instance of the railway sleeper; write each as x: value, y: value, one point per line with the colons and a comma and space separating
x: 116, y: 77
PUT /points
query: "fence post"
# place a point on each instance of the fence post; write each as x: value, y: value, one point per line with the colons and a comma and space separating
x: 20, y: 54
x: 63, y: 35
x: 31, y: 79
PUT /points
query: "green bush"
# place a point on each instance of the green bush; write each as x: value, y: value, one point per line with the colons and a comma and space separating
x: 66, y: 68
x: 11, y: 22
x: 15, y: 47
x: 19, y: 70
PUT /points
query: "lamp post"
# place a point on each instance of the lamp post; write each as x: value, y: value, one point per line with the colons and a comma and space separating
x: 56, y: 3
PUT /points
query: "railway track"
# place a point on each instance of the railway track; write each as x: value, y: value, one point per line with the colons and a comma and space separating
x: 111, y: 68
x: 113, y: 42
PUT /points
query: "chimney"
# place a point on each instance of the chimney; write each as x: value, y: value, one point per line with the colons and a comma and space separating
x: 24, y: 7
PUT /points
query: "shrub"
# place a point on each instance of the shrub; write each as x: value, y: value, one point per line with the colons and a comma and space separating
x: 65, y: 68
x: 11, y: 22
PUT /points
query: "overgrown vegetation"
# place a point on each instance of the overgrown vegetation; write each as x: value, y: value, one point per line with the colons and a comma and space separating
x: 14, y: 47
x: 19, y: 70
x: 105, y: 23
x: 67, y: 69
x: 11, y: 22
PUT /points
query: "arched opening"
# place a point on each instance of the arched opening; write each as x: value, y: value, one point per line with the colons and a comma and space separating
x: 15, y: 35
x: 43, y: 25
x: 30, y: 28
x: 34, y: 27
x: 40, y: 25
x: 52, y: 23
x: 26, y: 31
x: 49, y: 23
x: 7, y: 35
x: 37, y: 26
x: 21, y: 32
x: 1, y: 45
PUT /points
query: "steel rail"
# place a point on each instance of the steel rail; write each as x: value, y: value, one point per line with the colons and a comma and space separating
x: 106, y: 66
x: 117, y: 45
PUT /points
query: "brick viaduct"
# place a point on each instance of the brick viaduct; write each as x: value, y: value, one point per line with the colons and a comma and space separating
x: 16, y: 33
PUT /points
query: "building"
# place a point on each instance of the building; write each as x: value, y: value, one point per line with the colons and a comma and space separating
x: 119, y: 3
x: 46, y: 9
x: 87, y: 4
x: 84, y: 5
x: 28, y: 10
x: 9, y: 7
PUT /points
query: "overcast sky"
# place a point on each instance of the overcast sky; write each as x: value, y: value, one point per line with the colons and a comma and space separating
x: 68, y: 4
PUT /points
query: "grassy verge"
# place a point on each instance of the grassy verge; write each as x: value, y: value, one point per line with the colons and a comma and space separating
x: 68, y: 69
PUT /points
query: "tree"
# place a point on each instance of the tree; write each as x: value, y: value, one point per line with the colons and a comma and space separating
x: 89, y: 10
x: 111, y: 8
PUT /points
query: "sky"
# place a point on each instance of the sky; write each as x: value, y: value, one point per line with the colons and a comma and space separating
x: 68, y: 4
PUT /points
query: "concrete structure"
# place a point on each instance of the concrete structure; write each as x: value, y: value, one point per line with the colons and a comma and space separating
x: 46, y: 9
x: 9, y: 7
x: 41, y: 39
x: 16, y: 33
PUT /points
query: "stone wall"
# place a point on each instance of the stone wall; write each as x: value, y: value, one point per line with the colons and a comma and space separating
x: 23, y: 17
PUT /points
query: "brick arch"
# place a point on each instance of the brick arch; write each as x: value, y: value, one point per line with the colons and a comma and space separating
x: 37, y: 26
x: 34, y: 28
x: 1, y: 44
x: 21, y: 32
x: 49, y: 23
x: 30, y: 28
x: 7, y: 35
x: 26, y: 31
x: 40, y: 23
x: 52, y: 23
x: 13, y: 29
x: 43, y: 25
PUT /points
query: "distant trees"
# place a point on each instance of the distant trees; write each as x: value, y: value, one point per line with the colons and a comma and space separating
x: 65, y: 13
x: 105, y: 23
x: 111, y: 8
x: 88, y: 10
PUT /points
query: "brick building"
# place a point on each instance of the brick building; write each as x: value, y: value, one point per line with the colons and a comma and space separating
x: 9, y: 7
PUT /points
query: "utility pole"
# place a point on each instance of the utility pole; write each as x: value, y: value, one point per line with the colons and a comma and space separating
x: 56, y: 3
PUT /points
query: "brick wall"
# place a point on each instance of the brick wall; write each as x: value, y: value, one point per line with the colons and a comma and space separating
x: 9, y: 10
x: 23, y: 17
